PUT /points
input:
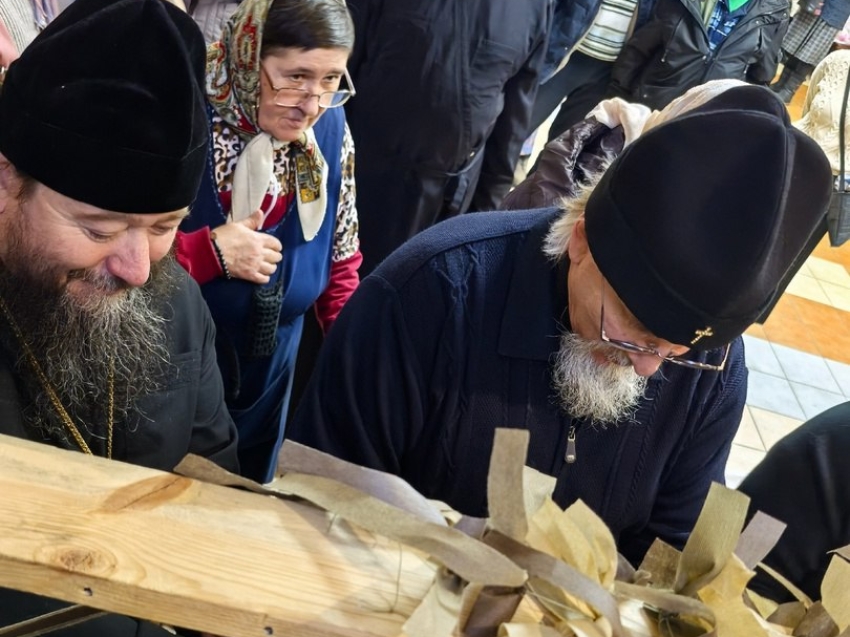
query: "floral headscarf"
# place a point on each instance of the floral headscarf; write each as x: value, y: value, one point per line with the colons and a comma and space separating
x: 233, y: 89
x: 233, y: 67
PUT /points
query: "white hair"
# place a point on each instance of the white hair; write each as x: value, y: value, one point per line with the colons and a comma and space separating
x: 558, y: 237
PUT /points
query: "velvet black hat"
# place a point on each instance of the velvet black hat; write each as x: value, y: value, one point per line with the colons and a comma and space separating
x: 696, y: 224
x: 106, y: 106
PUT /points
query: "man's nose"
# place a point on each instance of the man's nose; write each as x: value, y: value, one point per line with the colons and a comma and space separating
x: 645, y: 364
x: 131, y: 260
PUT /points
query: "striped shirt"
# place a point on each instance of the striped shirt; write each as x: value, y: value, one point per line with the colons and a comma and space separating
x: 609, y: 30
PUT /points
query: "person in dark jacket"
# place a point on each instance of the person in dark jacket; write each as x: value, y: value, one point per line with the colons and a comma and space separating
x: 802, y: 481
x: 106, y: 345
x: 585, y: 38
x: 609, y: 330
x: 808, y: 41
x: 444, y: 95
x: 688, y: 43
x: 570, y: 160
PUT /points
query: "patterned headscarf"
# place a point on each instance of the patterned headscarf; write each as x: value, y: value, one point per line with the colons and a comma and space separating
x: 233, y: 89
x: 233, y: 67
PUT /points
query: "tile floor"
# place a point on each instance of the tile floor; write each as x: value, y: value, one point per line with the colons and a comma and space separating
x: 799, y: 360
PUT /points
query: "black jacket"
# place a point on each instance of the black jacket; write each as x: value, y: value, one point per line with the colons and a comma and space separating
x: 571, y: 159
x: 188, y: 415
x: 670, y: 54
x: 444, y: 96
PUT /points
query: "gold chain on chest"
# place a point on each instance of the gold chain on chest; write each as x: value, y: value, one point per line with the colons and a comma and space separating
x: 51, y: 393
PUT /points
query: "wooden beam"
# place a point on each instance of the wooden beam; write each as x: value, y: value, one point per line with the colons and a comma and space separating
x: 161, y: 547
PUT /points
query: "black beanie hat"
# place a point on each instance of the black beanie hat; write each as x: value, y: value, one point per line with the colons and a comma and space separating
x: 696, y: 224
x: 106, y: 106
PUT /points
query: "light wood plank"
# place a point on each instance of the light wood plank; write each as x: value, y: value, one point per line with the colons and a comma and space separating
x: 165, y: 548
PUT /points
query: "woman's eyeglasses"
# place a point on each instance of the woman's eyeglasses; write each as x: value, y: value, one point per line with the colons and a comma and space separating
x: 295, y: 97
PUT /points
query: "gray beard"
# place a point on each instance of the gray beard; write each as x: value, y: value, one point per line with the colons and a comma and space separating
x: 77, y: 341
x: 603, y: 394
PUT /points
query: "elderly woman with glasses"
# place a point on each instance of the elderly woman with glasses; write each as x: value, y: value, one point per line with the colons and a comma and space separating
x: 273, y: 232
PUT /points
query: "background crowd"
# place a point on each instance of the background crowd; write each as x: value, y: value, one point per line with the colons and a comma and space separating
x: 314, y: 142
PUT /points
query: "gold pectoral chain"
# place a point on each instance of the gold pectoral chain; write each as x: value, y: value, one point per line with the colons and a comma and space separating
x: 51, y: 393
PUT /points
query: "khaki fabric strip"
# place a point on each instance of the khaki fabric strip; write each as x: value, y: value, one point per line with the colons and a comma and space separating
x: 505, y: 497
x: 713, y: 539
x: 835, y: 594
x: 791, y: 587
x: 466, y: 556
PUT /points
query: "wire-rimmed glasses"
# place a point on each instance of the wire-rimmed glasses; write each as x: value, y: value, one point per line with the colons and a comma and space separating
x: 292, y: 97
x: 634, y: 348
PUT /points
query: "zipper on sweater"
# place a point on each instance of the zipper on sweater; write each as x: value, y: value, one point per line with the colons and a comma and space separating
x: 570, y: 456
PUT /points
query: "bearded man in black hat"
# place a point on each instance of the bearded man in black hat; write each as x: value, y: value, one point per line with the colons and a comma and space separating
x: 609, y: 328
x: 106, y: 345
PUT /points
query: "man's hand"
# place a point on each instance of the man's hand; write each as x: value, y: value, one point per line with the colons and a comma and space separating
x: 250, y: 255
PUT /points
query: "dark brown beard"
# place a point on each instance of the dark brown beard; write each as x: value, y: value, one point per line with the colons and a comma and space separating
x: 76, y: 341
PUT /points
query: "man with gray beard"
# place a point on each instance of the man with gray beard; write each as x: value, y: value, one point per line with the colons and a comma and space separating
x: 610, y: 329
x: 106, y: 345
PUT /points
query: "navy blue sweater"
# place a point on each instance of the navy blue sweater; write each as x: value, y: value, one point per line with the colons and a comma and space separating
x: 452, y: 337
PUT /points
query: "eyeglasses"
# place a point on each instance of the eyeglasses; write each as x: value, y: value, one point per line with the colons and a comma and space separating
x: 634, y: 348
x: 293, y: 97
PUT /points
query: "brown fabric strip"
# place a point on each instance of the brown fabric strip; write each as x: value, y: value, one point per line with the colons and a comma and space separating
x: 560, y: 574
x: 816, y: 623
x: 659, y: 565
x: 493, y: 607
x: 789, y: 614
x: 758, y: 539
x: 384, y: 486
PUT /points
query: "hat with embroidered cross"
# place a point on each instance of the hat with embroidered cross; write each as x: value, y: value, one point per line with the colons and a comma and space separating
x: 106, y: 106
x: 699, y: 223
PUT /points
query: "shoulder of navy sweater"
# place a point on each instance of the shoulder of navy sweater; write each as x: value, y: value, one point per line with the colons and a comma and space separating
x: 448, y: 235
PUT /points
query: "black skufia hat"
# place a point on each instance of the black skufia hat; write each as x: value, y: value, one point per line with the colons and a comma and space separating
x: 106, y: 106
x: 697, y: 223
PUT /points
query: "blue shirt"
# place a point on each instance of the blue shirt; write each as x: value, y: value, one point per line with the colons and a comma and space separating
x: 722, y: 21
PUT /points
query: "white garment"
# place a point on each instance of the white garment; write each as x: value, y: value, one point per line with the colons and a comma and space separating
x: 254, y: 177
x: 637, y: 118
x: 19, y: 19
x: 822, y: 107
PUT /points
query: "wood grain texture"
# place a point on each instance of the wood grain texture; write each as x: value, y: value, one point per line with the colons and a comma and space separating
x: 169, y: 549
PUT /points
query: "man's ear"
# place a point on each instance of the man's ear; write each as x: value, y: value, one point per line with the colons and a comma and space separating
x: 577, y: 247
